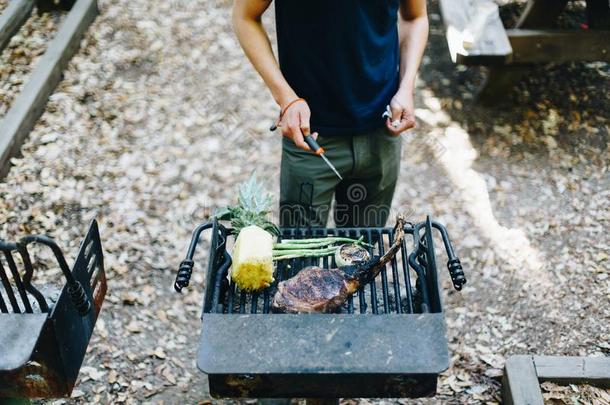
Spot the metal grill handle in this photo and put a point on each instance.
(75, 289)
(184, 275)
(183, 278)
(453, 264)
(79, 298)
(457, 273)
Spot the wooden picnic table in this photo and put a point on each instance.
(477, 36)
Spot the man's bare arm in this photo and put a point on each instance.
(413, 36)
(413, 32)
(247, 22)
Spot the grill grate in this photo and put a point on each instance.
(390, 293)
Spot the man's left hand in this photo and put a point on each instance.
(403, 116)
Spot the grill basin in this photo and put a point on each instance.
(388, 340)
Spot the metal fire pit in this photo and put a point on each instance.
(44, 332)
(387, 341)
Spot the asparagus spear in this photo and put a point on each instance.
(320, 247)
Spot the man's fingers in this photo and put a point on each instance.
(297, 138)
(396, 127)
(294, 133)
(404, 124)
(409, 120)
(388, 125)
(294, 126)
(285, 131)
(395, 131)
(397, 111)
(394, 122)
(304, 119)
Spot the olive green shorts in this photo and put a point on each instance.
(369, 164)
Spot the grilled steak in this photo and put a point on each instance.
(318, 290)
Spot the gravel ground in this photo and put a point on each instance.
(136, 136)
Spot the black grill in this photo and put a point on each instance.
(45, 330)
(248, 351)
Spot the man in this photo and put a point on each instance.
(341, 62)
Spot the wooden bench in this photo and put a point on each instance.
(13, 18)
(476, 36)
(30, 103)
(524, 373)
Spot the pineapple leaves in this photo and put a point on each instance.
(253, 207)
(252, 198)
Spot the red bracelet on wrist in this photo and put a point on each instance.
(277, 124)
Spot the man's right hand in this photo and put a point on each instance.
(295, 123)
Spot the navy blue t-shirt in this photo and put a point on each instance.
(342, 56)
